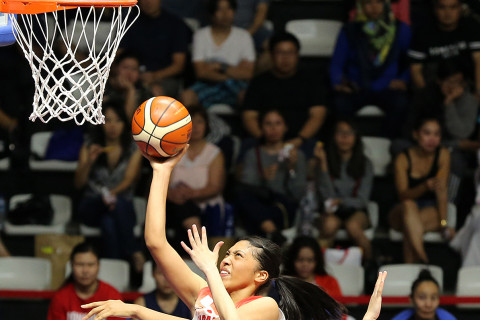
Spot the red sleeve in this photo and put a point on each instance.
(56, 310)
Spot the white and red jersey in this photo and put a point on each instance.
(205, 308)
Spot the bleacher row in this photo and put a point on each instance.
(34, 274)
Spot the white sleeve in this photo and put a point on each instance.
(248, 48)
(198, 46)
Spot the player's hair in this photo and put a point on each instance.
(198, 110)
(423, 276)
(298, 299)
(283, 37)
(98, 134)
(212, 5)
(356, 164)
(292, 254)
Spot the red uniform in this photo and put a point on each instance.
(65, 304)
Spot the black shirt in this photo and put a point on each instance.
(293, 97)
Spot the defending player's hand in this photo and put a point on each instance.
(203, 257)
(375, 304)
(110, 308)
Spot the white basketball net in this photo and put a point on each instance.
(70, 85)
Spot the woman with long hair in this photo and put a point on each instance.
(247, 271)
(304, 260)
(344, 181)
(421, 174)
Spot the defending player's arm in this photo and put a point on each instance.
(185, 282)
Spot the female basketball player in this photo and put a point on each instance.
(236, 292)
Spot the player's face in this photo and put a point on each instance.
(85, 268)
(426, 300)
(239, 268)
(161, 282)
(373, 9)
(428, 136)
(273, 127)
(198, 128)
(305, 263)
(224, 14)
(285, 57)
(344, 137)
(150, 7)
(129, 70)
(113, 125)
(448, 12)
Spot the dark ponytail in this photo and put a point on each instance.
(303, 300)
(299, 300)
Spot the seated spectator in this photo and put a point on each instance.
(369, 65)
(161, 41)
(274, 180)
(467, 239)
(425, 297)
(163, 299)
(124, 86)
(400, 8)
(451, 37)
(344, 181)
(82, 286)
(297, 94)
(251, 15)
(421, 174)
(3, 250)
(223, 57)
(304, 260)
(108, 168)
(197, 180)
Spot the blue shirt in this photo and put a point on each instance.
(408, 314)
(347, 60)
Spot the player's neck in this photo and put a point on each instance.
(239, 295)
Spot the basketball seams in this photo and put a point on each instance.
(159, 119)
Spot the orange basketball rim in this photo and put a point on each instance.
(42, 6)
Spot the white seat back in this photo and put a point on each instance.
(39, 143)
(468, 282)
(349, 277)
(401, 276)
(25, 273)
(377, 150)
(317, 37)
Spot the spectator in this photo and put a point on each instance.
(3, 250)
(296, 93)
(161, 41)
(467, 239)
(369, 65)
(345, 179)
(274, 175)
(124, 86)
(223, 58)
(400, 8)
(421, 174)
(425, 296)
(163, 299)
(82, 286)
(251, 15)
(198, 179)
(108, 167)
(451, 37)
(304, 260)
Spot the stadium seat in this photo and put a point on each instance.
(349, 277)
(431, 236)
(38, 148)
(468, 285)
(317, 37)
(192, 23)
(140, 206)
(25, 273)
(62, 212)
(370, 111)
(112, 271)
(401, 276)
(377, 150)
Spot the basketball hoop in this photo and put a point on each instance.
(69, 79)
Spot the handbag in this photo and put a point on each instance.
(36, 210)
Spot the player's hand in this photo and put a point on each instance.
(204, 258)
(166, 163)
(110, 308)
(375, 304)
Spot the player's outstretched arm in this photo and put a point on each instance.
(375, 304)
(185, 282)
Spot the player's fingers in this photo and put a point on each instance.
(218, 246)
(93, 312)
(191, 239)
(204, 236)
(102, 315)
(196, 235)
(382, 282)
(92, 304)
(185, 247)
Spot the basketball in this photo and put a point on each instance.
(161, 127)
